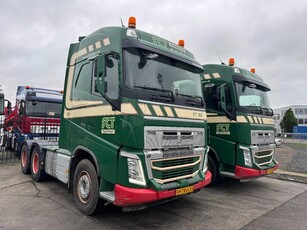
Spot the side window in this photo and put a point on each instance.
(83, 79)
(82, 82)
(212, 97)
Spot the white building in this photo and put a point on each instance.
(300, 112)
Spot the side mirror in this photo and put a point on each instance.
(222, 97)
(101, 74)
(223, 100)
(21, 108)
(1, 104)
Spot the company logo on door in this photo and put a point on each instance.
(107, 125)
(222, 129)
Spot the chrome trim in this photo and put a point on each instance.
(228, 174)
(171, 105)
(176, 178)
(173, 119)
(129, 155)
(177, 166)
(108, 196)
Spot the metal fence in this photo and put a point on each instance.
(293, 137)
(5, 155)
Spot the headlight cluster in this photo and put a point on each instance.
(247, 157)
(135, 171)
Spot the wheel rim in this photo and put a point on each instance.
(24, 158)
(84, 187)
(35, 163)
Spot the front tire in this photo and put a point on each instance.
(24, 160)
(37, 172)
(86, 188)
(213, 167)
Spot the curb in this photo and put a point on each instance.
(289, 176)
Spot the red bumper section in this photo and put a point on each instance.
(248, 173)
(125, 196)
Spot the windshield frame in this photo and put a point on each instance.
(161, 93)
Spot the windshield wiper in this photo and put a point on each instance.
(197, 99)
(169, 93)
(261, 110)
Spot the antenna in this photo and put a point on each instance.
(121, 20)
(222, 63)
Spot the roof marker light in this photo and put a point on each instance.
(181, 43)
(28, 87)
(132, 22)
(231, 61)
(253, 70)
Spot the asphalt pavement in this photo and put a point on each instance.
(265, 203)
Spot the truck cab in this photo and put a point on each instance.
(36, 115)
(133, 123)
(240, 119)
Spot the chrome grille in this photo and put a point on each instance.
(173, 153)
(263, 157)
(170, 137)
(168, 170)
(259, 137)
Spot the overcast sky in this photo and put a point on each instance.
(270, 35)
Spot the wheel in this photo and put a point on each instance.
(24, 162)
(213, 167)
(37, 173)
(86, 188)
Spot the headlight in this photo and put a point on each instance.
(135, 172)
(247, 157)
(135, 169)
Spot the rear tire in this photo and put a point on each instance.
(24, 160)
(86, 188)
(37, 173)
(213, 167)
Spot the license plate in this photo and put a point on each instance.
(270, 171)
(186, 190)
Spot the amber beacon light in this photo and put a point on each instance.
(132, 22)
(231, 61)
(181, 43)
(253, 70)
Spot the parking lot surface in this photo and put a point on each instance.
(266, 203)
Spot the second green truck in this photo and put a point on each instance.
(240, 119)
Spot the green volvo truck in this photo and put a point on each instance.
(133, 124)
(240, 120)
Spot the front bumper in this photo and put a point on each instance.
(125, 196)
(248, 173)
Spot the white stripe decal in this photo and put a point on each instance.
(169, 111)
(157, 110)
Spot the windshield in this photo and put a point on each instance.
(250, 94)
(149, 71)
(45, 109)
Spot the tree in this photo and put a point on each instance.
(288, 121)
